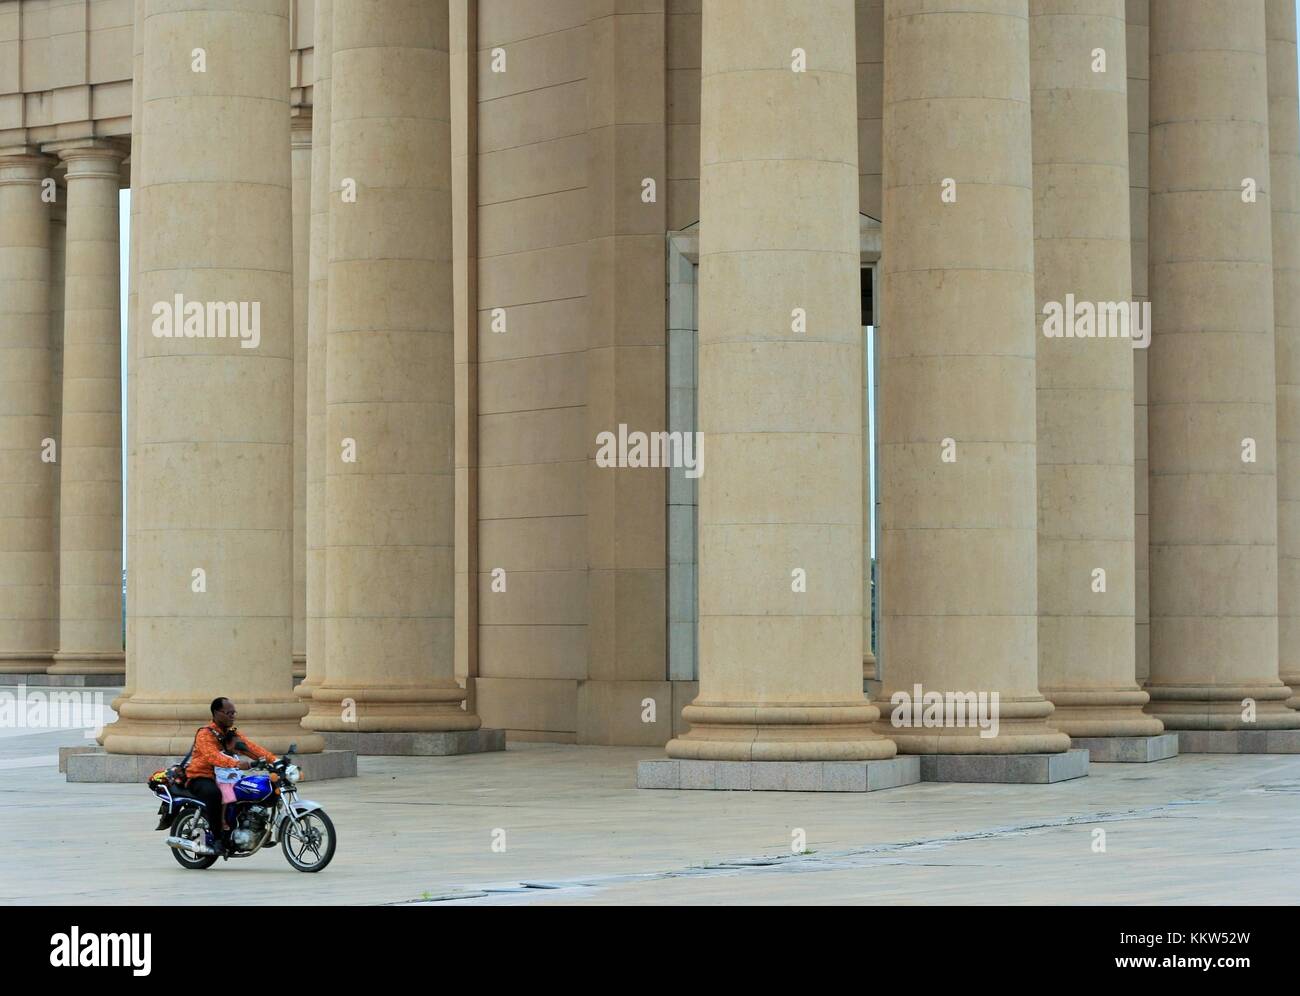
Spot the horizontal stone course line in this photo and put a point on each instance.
(978, 270)
(801, 160)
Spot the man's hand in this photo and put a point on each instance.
(245, 764)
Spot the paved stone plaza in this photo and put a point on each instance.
(1207, 829)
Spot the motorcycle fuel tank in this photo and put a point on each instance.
(251, 788)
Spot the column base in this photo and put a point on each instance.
(1016, 769)
(45, 679)
(1102, 712)
(433, 708)
(88, 663)
(1223, 707)
(422, 744)
(791, 732)
(1292, 681)
(166, 727)
(1112, 750)
(778, 776)
(950, 724)
(97, 765)
(299, 667)
(37, 663)
(1239, 741)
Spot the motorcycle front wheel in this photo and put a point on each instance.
(309, 846)
(192, 826)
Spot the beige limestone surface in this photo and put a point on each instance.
(301, 164)
(957, 431)
(534, 219)
(1212, 431)
(28, 628)
(1086, 640)
(1284, 179)
(389, 621)
(90, 485)
(780, 390)
(317, 332)
(214, 438)
(1137, 45)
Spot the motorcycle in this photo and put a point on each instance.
(266, 810)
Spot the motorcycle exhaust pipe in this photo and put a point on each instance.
(185, 844)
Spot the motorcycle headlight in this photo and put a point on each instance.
(292, 773)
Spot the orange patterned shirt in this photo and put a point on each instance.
(208, 752)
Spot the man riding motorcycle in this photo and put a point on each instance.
(214, 746)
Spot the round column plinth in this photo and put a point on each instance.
(1221, 707)
(792, 732)
(1102, 712)
(432, 708)
(87, 662)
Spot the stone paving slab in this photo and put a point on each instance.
(1239, 741)
(418, 744)
(778, 776)
(1136, 750)
(1021, 769)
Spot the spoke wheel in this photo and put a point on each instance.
(192, 825)
(308, 845)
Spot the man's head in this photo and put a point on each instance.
(223, 712)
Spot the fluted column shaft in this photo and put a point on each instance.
(389, 493)
(90, 492)
(1212, 385)
(957, 440)
(1085, 385)
(317, 330)
(214, 454)
(780, 516)
(1284, 186)
(27, 556)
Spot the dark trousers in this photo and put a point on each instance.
(207, 792)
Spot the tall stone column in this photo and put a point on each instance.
(1086, 648)
(90, 502)
(301, 130)
(58, 247)
(27, 556)
(389, 571)
(957, 437)
(780, 395)
(214, 462)
(132, 344)
(1138, 43)
(1284, 186)
(1212, 385)
(317, 318)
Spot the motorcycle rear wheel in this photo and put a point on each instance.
(305, 841)
(185, 826)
